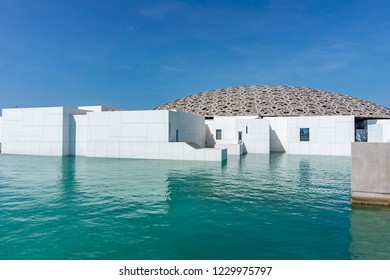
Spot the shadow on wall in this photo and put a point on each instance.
(275, 142)
(72, 136)
(210, 142)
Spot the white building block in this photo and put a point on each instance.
(28, 116)
(378, 130)
(152, 116)
(53, 120)
(36, 131)
(134, 131)
(177, 151)
(131, 117)
(113, 149)
(38, 116)
(138, 149)
(327, 122)
(115, 118)
(325, 135)
(98, 119)
(152, 150)
(91, 149)
(78, 135)
(1, 132)
(157, 132)
(200, 154)
(165, 150)
(189, 152)
(304, 148)
(100, 149)
(51, 134)
(125, 149)
(343, 132)
(114, 131)
(98, 133)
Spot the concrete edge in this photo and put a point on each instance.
(370, 198)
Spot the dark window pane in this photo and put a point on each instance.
(304, 134)
(218, 134)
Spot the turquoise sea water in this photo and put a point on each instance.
(257, 207)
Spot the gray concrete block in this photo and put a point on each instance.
(371, 173)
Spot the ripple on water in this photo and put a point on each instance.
(274, 206)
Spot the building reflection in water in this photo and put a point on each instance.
(370, 227)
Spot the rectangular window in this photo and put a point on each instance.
(361, 131)
(304, 134)
(170, 130)
(246, 130)
(218, 134)
(240, 136)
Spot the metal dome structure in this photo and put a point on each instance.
(265, 100)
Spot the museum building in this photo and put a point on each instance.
(206, 126)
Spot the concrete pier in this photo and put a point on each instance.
(371, 173)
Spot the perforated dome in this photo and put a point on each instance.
(275, 101)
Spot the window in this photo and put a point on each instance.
(246, 130)
(240, 136)
(170, 130)
(218, 134)
(361, 131)
(304, 134)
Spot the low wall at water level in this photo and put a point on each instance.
(371, 173)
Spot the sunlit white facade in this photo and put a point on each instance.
(98, 131)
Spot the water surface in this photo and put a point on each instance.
(274, 206)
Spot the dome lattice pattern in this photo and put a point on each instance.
(275, 101)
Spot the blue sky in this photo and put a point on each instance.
(140, 54)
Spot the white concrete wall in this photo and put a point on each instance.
(145, 134)
(70, 130)
(386, 130)
(191, 127)
(1, 133)
(209, 133)
(109, 134)
(329, 135)
(78, 135)
(378, 130)
(255, 141)
(36, 131)
(183, 151)
(228, 125)
(58, 131)
(233, 149)
(278, 134)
